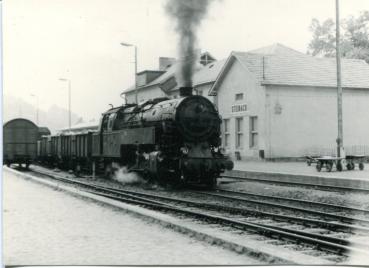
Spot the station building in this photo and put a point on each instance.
(277, 102)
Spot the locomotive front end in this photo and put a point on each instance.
(197, 119)
(198, 123)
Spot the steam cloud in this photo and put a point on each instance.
(188, 15)
(123, 176)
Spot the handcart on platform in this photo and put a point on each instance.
(355, 159)
(310, 159)
(328, 162)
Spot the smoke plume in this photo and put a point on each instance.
(187, 15)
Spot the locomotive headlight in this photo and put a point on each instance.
(184, 150)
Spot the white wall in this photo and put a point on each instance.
(307, 121)
(239, 80)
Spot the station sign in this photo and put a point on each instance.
(239, 108)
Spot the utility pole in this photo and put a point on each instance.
(136, 91)
(69, 103)
(339, 85)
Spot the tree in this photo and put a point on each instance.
(354, 39)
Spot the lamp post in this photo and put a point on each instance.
(339, 86)
(69, 98)
(136, 89)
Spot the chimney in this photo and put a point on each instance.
(165, 63)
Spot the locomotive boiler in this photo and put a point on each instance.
(174, 140)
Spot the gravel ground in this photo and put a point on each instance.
(49, 227)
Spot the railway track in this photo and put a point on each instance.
(299, 184)
(302, 202)
(277, 228)
(286, 220)
(321, 214)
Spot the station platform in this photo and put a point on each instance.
(301, 172)
(43, 225)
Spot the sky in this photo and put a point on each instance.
(79, 40)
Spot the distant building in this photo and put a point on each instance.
(162, 83)
(277, 102)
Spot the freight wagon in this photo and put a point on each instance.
(67, 150)
(19, 141)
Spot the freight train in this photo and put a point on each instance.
(172, 140)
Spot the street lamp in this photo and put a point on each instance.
(136, 89)
(69, 98)
(37, 102)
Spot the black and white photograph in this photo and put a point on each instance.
(185, 132)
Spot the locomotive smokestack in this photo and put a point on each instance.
(188, 15)
(185, 91)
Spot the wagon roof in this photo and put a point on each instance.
(19, 119)
(44, 131)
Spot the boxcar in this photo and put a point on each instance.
(19, 141)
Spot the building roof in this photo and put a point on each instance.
(203, 74)
(280, 65)
(274, 49)
(208, 73)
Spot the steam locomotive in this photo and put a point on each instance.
(175, 140)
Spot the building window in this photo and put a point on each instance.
(226, 133)
(239, 132)
(253, 131)
(239, 96)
